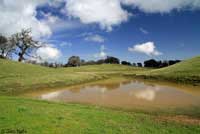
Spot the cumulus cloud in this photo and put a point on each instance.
(56, 3)
(147, 48)
(162, 6)
(102, 54)
(48, 53)
(106, 13)
(22, 15)
(109, 13)
(59, 24)
(49, 18)
(95, 38)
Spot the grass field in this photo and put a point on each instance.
(41, 117)
(16, 78)
(186, 72)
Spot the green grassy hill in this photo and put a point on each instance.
(42, 117)
(189, 67)
(187, 71)
(18, 77)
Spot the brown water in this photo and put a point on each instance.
(128, 94)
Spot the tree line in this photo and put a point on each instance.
(159, 64)
(75, 61)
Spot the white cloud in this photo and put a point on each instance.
(106, 13)
(95, 38)
(102, 53)
(147, 48)
(22, 15)
(49, 18)
(109, 13)
(48, 53)
(58, 24)
(55, 3)
(144, 31)
(162, 6)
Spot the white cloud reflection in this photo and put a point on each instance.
(148, 94)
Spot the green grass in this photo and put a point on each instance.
(41, 117)
(189, 67)
(186, 72)
(16, 78)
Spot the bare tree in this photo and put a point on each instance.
(25, 44)
(6, 47)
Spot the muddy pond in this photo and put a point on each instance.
(126, 93)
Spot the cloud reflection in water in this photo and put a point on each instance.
(148, 93)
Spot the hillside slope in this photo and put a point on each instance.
(17, 77)
(187, 67)
(187, 71)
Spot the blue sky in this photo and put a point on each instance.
(130, 30)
